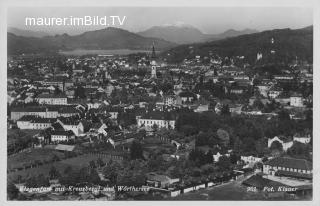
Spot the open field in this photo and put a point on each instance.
(28, 157)
(75, 163)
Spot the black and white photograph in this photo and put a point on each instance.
(158, 102)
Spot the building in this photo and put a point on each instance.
(161, 120)
(296, 100)
(153, 64)
(169, 100)
(186, 97)
(305, 139)
(59, 136)
(289, 167)
(285, 142)
(68, 112)
(236, 90)
(160, 181)
(72, 124)
(263, 89)
(52, 99)
(43, 112)
(251, 160)
(34, 123)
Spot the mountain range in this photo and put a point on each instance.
(27, 33)
(184, 34)
(288, 43)
(109, 38)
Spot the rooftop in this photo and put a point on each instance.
(290, 163)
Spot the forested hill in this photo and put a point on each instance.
(287, 45)
(109, 38)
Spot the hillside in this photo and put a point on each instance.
(109, 38)
(287, 45)
(26, 33)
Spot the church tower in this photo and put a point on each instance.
(153, 64)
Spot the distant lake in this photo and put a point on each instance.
(79, 52)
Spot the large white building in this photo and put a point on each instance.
(52, 99)
(161, 120)
(34, 123)
(290, 167)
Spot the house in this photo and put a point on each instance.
(250, 160)
(160, 181)
(59, 136)
(98, 128)
(217, 156)
(94, 104)
(285, 142)
(237, 90)
(52, 99)
(289, 167)
(169, 100)
(305, 139)
(71, 123)
(121, 139)
(296, 100)
(202, 108)
(275, 92)
(263, 89)
(187, 97)
(284, 101)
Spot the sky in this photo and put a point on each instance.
(210, 20)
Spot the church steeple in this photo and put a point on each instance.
(153, 63)
(153, 55)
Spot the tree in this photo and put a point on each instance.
(42, 181)
(283, 115)
(300, 150)
(257, 104)
(53, 173)
(136, 151)
(67, 170)
(93, 176)
(79, 92)
(225, 110)
(276, 146)
(111, 171)
(55, 158)
(234, 158)
(224, 163)
(223, 136)
(92, 164)
(57, 91)
(260, 146)
(12, 191)
(31, 182)
(100, 162)
(209, 157)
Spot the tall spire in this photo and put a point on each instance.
(153, 55)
